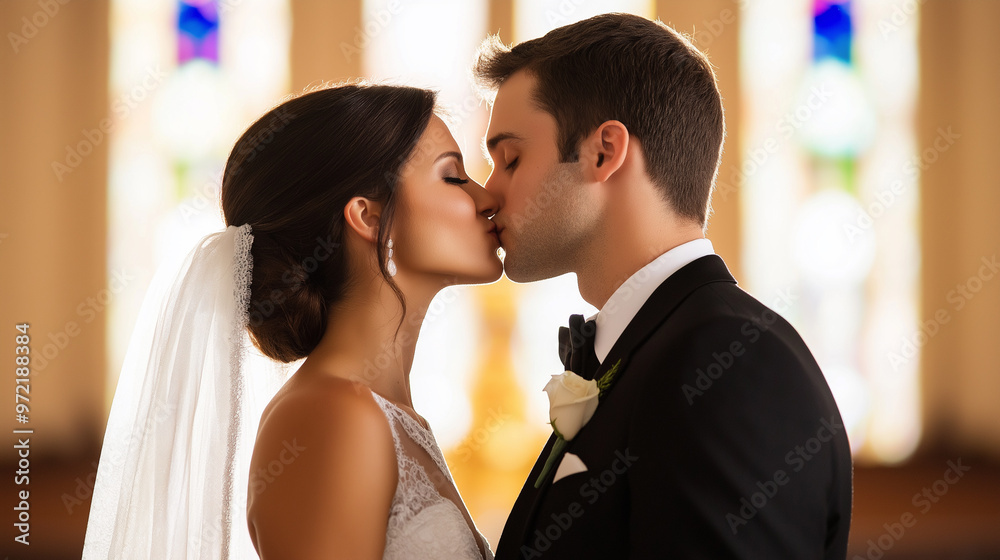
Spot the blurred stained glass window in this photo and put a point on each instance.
(187, 77)
(829, 193)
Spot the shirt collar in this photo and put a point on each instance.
(623, 305)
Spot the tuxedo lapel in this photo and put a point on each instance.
(661, 303)
(654, 312)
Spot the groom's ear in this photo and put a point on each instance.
(603, 151)
(362, 216)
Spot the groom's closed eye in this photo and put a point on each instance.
(490, 146)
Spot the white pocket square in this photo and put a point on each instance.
(570, 464)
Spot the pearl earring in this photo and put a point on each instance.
(390, 266)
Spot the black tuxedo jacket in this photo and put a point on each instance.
(719, 439)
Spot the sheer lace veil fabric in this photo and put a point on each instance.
(174, 468)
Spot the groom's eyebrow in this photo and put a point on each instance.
(500, 137)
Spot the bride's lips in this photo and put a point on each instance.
(494, 232)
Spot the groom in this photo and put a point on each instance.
(715, 435)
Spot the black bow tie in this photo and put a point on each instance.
(576, 346)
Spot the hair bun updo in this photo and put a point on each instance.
(290, 175)
(288, 306)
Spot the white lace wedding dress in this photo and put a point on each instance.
(428, 519)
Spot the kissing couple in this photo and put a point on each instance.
(691, 422)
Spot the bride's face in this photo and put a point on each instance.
(441, 228)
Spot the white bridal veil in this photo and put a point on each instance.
(172, 478)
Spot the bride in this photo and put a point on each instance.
(348, 209)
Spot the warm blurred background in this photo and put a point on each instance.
(858, 196)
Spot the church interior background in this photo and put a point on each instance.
(857, 197)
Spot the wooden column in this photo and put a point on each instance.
(328, 41)
(53, 201)
(501, 19)
(958, 120)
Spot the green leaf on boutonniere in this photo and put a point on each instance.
(606, 380)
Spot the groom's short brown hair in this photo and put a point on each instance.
(627, 68)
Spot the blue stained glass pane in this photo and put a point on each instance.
(197, 21)
(832, 30)
(197, 30)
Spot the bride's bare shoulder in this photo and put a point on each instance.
(334, 414)
(324, 449)
(309, 393)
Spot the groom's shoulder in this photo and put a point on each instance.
(726, 306)
(720, 317)
(706, 289)
(717, 307)
(723, 349)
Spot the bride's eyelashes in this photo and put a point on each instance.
(455, 181)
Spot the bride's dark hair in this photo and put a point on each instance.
(290, 175)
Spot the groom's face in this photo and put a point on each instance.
(544, 216)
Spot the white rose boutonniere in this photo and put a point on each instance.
(572, 403)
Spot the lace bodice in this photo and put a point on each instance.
(428, 519)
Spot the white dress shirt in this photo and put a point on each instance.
(622, 306)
